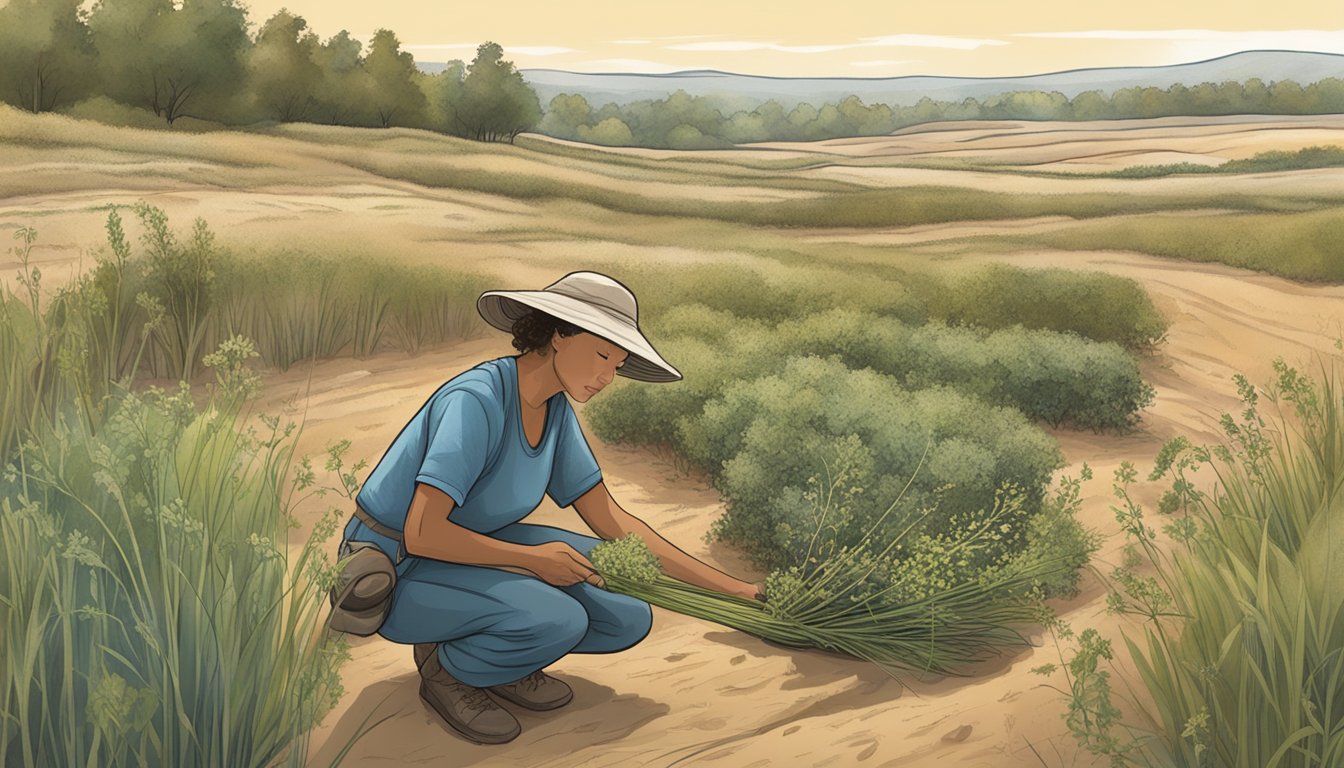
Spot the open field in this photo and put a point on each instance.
(694, 693)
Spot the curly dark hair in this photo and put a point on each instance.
(533, 331)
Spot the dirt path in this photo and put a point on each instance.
(696, 693)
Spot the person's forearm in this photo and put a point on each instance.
(456, 544)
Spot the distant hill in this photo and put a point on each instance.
(747, 91)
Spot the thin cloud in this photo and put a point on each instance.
(1208, 43)
(721, 46)
(650, 40)
(1189, 34)
(525, 50)
(540, 50)
(442, 46)
(930, 41)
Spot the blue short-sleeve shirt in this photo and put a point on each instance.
(467, 440)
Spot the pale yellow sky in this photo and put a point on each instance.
(875, 38)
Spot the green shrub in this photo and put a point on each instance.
(771, 297)
(1094, 305)
(1063, 379)
(1059, 378)
(105, 110)
(763, 438)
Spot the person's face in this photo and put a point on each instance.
(585, 363)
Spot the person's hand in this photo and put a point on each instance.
(748, 590)
(559, 564)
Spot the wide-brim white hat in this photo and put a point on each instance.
(594, 302)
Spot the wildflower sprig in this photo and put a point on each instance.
(627, 558)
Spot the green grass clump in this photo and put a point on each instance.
(151, 612)
(1241, 661)
(300, 306)
(156, 311)
(1300, 246)
(1261, 162)
(1158, 171)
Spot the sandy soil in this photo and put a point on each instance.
(691, 692)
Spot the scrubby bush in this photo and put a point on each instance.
(1055, 377)
(770, 297)
(763, 438)
(1098, 306)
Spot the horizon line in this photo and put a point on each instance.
(1074, 70)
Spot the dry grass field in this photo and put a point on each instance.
(695, 693)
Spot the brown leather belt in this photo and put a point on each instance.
(375, 526)
(363, 516)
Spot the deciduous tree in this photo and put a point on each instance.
(179, 61)
(285, 73)
(396, 98)
(496, 104)
(345, 91)
(46, 54)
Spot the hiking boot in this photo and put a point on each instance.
(537, 691)
(467, 709)
(422, 651)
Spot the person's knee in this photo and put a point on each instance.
(632, 618)
(637, 618)
(558, 619)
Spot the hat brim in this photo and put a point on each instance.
(501, 308)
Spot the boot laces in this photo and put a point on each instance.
(474, 698)
(534, 680)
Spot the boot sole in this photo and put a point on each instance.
(461, 727)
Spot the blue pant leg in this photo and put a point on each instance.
(615, 621)
(492, 626)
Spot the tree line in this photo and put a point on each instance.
(196, 58)
(682, 121)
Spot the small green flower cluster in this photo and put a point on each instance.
(628, 558)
